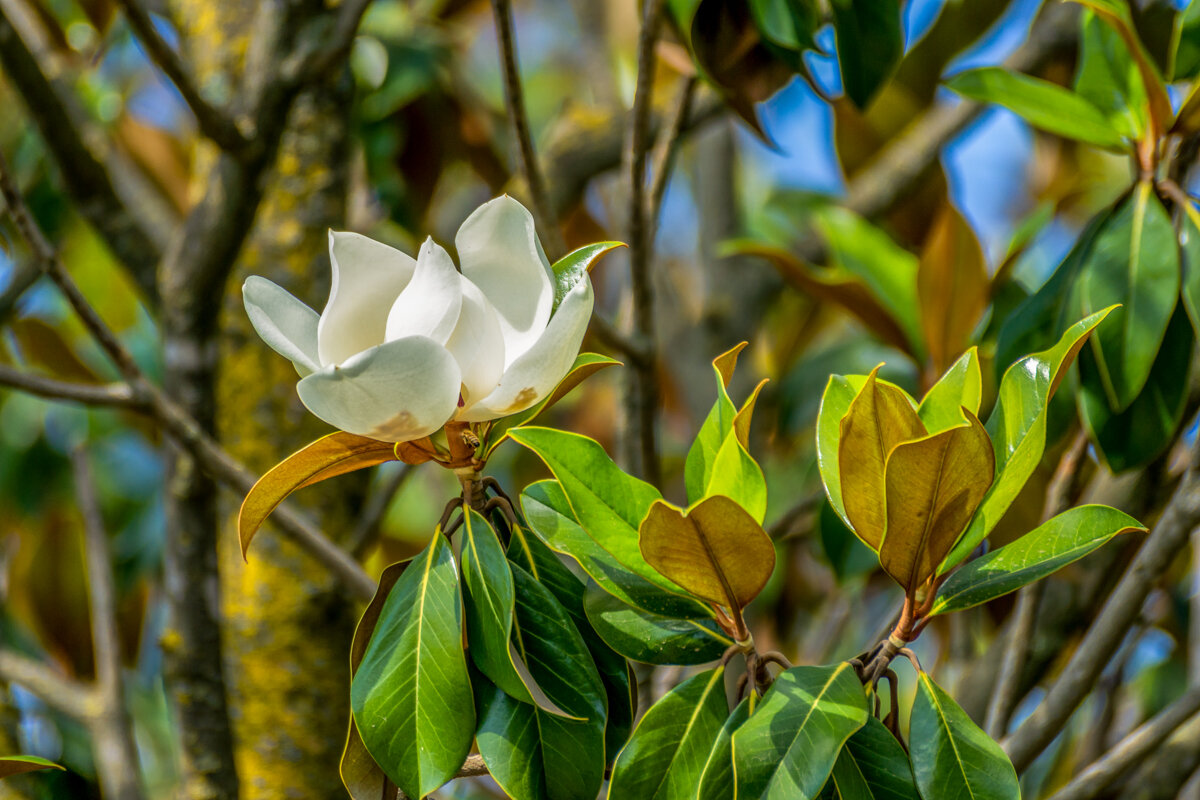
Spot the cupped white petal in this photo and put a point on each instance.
(477, 344)
(500, 252)
(283, 322)
(368, 276)
(537, 371)
(430, 304)
(394, 392)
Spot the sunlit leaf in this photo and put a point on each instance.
(716, 779)
(1189, 257)
(872, 766)
(1060, 541)
(571, 268)
(328, 457)
(17, 765)
(952, 285)
(961, 386)
(665, 757)
(715, 550)
(880, 417)
(951, 756)
(1042, 104)
(1017, 427)
(652, 638)
(934, 484)
(1108, 78)
(789, 745)
(411, 696)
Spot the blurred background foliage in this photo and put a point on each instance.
(766, 181)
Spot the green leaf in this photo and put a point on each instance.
(585, 365)
(1043, 104)
(1054, 544)
(411, 695)
(839, 393)
(607, 503)
(667, 752)
(1189, 257)
(870, 41)
(716, 550)
(489, 600)
(1134, 262)
(1109, 79)
(1141, 433)
(786, 24)
(16, 765)
(527, 750)
(951, 756)
(1017, 428)
(716, 779)
(548, 641)
(550, 516)
(961, 386)
(887, 269)
(872, 766)
(651, 638)
(789, 745)
(571, 268)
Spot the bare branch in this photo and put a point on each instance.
(472, 768)
(1131, 750)
(664, 151)
(214, 122)
(120, 395)
(60, 693)
(514, 97)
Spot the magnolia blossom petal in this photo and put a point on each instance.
(283, 322)
(430, 304)
(368, 276)
(537, 371)
(395, 392)
(477, 344)
(499, 251)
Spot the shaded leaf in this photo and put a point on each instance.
(1043, 104)
(411, 696)
(1017, 427)
(872, 766)
(716, 779)
(652, 638)
(951, 756)
(667, 752)
(961, 386)
(328, 457)
(1189, 257)
(1108, 78)
(1054, 544)
(715, 550)
(880, 417)
(789, 745)
(952, 286)
(934, 485)
(870, 42)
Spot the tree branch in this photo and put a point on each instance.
(120, 395)
(514, 97)
(214, 122)
(60, 693)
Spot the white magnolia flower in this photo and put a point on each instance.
(404, 346)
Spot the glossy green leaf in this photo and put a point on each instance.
(651, 638)
(17, 765)
(839, 393)
(789, 745)
(1189, 257)
(1054, 544)
(1017, 428)
(1142, 432)
(1109, 79)
(551, 518)
(887, 269)
(872, 766)
(571, 268)
(880, 418)
(606, 502)
(585, 365)
(715, 550)
(1134, 262)
(961, 386)
(870, 41)
(786, 24)
(716, 779)
(934, 484)
(951, 757)
(1041, 103)
(488, 599)
(533, 755)
(411, 695)
(670, 745)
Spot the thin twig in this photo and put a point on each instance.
(121, 395)
(664, 151)
(60, 693)
(514, 97)
(214, 122)
(641, 402)
(1131, 750)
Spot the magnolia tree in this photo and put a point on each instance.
(688, 604)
